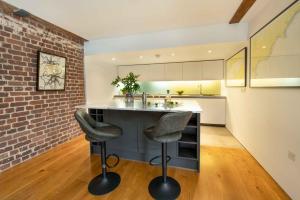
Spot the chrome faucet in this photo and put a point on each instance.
(144, 98)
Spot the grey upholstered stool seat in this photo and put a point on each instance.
(104, 132)
(168, 129)
(163, 138)
(99, 133)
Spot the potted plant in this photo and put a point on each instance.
(130, 83)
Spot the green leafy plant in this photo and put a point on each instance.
(130, 83)
(180, 92)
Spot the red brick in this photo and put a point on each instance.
(28, 117)
(15, 104)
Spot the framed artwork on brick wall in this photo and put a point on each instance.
(51, 72)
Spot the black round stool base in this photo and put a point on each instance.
(100, 185)
(161, 190)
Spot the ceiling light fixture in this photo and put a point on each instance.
(141, 57)
(263, 47)
(113, 59)
(209, 51)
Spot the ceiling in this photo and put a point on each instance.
(183, 53)
(94, 19)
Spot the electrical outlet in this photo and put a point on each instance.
(291, 156)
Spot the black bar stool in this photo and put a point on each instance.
(99, 133)
(167, 130)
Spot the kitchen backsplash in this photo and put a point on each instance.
(189, 87)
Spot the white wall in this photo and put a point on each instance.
(210, 34)
(267, 120)
(98, 78)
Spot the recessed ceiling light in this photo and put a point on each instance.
(141, 57)
(263, 47)
(113, 59)
(172, 54)
(209, 51)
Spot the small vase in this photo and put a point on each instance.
(129, 98)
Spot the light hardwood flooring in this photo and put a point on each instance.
(64, 172)
(218, 137)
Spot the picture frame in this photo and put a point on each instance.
(277, 70)
(51, 72)
(236, 69)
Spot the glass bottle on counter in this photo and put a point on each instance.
(168, 97)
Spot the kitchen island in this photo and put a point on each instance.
(133, 118)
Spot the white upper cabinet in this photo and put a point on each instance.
(153, 72)
(212, 70)
(200, 70)
(192, 71)
(173, 71)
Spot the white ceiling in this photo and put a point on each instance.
(177, 54)
(93, 19)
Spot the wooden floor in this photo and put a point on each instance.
(64, 172)
(218, 137)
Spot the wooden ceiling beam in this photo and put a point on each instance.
(241, 11)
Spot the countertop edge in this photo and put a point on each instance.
(177, 96)
(134, 109)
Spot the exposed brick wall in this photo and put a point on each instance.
(32, 122)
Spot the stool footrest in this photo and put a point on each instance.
(151, 162)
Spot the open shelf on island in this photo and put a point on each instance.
(188, 138)
(193, 122)
(189, 135)
(96, 114)
(187, 151)
(92, 111)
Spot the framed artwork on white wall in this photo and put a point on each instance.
(275, 51)
(236, 69)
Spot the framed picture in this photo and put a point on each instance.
(275, 51)
(236, 69)
(51, 72)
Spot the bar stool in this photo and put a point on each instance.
(168, 129)
(99, 133)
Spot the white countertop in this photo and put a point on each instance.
(176, 96)
(183, 105)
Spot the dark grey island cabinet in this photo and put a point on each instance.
(133, 144)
